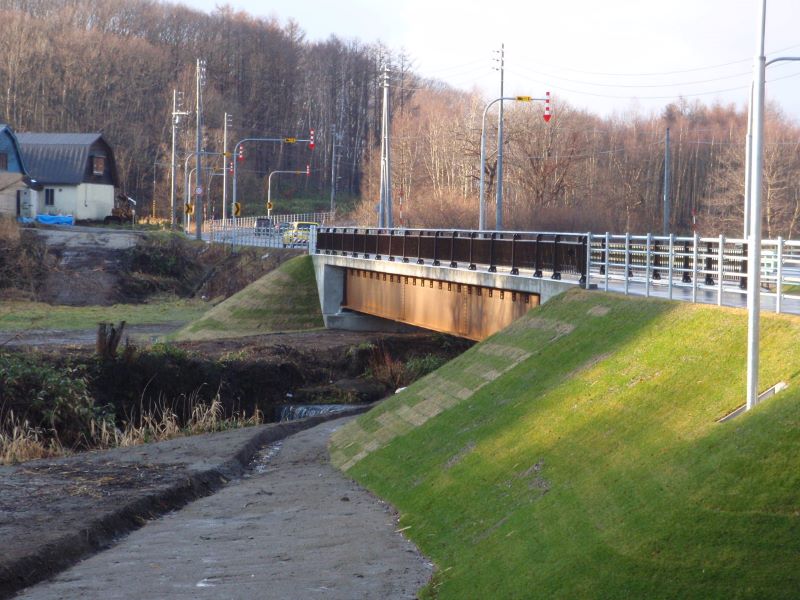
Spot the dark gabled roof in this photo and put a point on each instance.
(15, 141)
(54, 158)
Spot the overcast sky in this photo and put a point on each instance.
(604, 55)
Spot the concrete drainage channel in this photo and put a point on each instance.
(63, 529)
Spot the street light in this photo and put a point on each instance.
(482, 209)
(269, 186)
(753, 182)
(133, 218)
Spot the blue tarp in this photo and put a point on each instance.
(56, 219)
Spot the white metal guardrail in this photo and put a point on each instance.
(256, 230)
(689, 266)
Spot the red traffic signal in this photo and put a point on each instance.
(311, 140)
(230, 167)
(240, 154)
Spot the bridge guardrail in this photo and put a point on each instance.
(555, 253)
(241, 231)
(696, 263)
(636, 263)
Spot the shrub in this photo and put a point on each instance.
(419, 366)
(52, 400)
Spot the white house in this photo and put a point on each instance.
(77, 172)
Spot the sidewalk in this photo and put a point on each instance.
(291, 527)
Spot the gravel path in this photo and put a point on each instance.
(291, 527)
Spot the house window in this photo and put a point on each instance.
(98, 165)
(49, 197)
(3, 161)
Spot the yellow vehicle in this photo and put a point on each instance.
(297, 233)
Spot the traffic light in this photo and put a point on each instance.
(240, 154)
(311, 140)
(308, 169)
(230, 167)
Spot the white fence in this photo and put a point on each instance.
(690, 266)
(242, 231)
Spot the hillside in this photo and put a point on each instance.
(283, 300)
(576, 454)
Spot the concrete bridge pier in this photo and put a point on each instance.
(331, 289)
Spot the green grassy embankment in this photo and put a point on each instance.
(19, 315)
(282, 300)
(576, 454)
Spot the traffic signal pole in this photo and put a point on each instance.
(238, 156)
(236, 149)
(269, 185)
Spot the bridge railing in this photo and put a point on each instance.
(243, 231)
(538, 252)
(700, 269)
(697, 265)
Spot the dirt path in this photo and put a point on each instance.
(292, 527)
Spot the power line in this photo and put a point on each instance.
(660, 73)
(628, 97)
(639, 97)
(640, 85)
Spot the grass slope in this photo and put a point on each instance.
(576, 455)
(282, 300)
(19, 316)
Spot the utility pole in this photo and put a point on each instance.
(499, 203)
(333, 168)
(198, 209)
(665, 228)
(225, 166)
(385, 207)
(177, 113)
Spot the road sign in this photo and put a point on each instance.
(227, 154)
(237, 209)
(524, 98)
(188, 209)
(199, 190)
(269, 205)
(289, 140)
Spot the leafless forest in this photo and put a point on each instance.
(111, 66)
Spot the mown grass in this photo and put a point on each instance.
(594, 466)
(285, 299)
(17, 316)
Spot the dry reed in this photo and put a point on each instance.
(20, 442)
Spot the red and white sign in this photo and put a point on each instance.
(547, 113)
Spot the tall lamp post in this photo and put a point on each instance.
(753, 183)
(482, 208)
